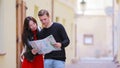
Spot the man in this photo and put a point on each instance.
(54, 59)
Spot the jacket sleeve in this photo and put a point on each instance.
(28, 54)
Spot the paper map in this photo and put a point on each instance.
(45, 45)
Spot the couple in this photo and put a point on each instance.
(54, 59)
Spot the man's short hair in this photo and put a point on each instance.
(43, 12)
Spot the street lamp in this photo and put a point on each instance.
(83, 6)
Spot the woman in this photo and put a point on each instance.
(31, 32)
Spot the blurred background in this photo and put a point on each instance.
(92, 26)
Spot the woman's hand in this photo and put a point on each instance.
(34, 51)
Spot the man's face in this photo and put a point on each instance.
(44, 20)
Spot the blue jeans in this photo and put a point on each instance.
(51, 63)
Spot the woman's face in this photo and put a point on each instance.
(32, 25)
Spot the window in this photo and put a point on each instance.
(88, 39)
(57, 19)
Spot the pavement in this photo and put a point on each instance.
(93, 63)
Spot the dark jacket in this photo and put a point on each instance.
(28, 54)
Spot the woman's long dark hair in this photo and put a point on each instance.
(26, 29)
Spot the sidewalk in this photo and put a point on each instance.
(93, 64)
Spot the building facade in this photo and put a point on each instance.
(12, 14)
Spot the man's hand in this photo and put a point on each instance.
(57, 45)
